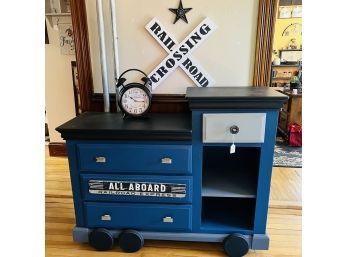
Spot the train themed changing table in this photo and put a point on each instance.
(200, 176)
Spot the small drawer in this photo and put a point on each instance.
(167, 159)
(118, 188)
(247, 127)
(139, 216)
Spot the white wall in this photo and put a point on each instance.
(228, 54)
(59, 94)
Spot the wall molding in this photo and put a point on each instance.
(160, 103)
(57, 149)
(264, 42)
(83, 60)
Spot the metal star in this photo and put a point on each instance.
(180, 13)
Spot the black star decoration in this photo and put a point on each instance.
(180, 12)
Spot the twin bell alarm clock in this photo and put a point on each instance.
(134, 98)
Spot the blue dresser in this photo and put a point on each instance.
(199, 176)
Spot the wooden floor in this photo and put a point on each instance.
(283, 227)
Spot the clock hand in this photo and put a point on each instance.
(136, 100)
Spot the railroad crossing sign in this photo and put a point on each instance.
(180, 54)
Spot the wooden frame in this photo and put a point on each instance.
(77, 100)
(47, 40)
(91, 101)
(264, 42)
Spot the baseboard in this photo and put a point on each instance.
(57, 149)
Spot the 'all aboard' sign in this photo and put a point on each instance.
(180, 54)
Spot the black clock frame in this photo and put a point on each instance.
(146, 87)
(127, 87)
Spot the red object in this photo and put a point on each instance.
(295, 135)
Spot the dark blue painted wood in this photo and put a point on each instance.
(259, 213)
(265, 173)
(149, 199)
(75, 184)
(197, 153)
(227, 215)
(135, 158)
(141, 162)
(139, 216)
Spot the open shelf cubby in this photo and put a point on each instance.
(228, 214)
(230, 175)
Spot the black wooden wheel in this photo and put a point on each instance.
(236, 245)
(101, 239)
(131, 241)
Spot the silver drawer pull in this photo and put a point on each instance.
(100, 159)
(166, 160)
(168, 220)
(105, 217)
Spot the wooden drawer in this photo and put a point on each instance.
(136, 158)
(168, 189)
(216, 127)
(139, 216)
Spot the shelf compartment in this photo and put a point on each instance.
(230, 175)
(234, 184)
(227, 215)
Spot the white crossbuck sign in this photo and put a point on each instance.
(180, 54)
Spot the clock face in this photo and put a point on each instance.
(135, 101)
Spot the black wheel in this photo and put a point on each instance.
(101, 239)
(130, 241)
(236, 245)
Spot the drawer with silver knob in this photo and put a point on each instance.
(135, 158)
(234, 127)
(154, 217)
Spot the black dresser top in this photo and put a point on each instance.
(109, 126)
(234, 98)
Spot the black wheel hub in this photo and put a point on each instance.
(131, 241)
(236, 245)
(101, 239)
